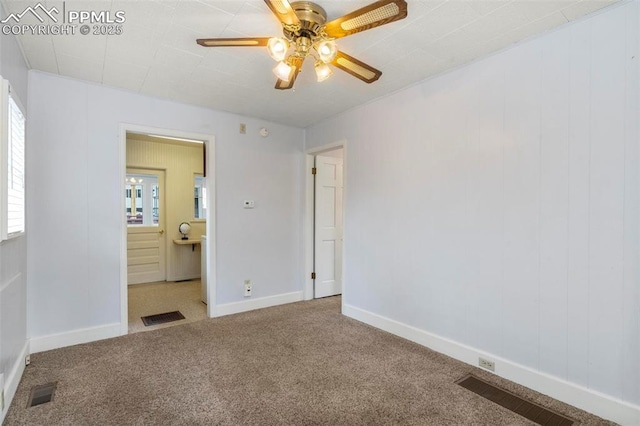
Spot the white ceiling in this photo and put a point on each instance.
(157, 54)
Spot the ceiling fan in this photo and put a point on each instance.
(308, 34)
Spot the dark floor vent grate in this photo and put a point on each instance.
(162, 318)
(514, 403)
(41, 394)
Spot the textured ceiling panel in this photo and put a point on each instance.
(156, 54)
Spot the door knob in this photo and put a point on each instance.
(161, 231)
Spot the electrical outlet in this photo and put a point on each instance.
(485, 363)
(27, 360)
(247, 288)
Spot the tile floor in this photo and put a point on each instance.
(161, 297)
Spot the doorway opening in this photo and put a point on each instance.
(168, 212)
(325, 221)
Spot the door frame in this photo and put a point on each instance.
(309, 225)
(209, 161)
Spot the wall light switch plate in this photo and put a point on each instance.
(243, 129)
(249, 204)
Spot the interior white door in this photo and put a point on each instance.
(146, 240)
(328, 226)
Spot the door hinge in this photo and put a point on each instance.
(314, 171)
(313, 275)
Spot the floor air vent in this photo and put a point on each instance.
(514, 403)
(41, 394)
(162, 318)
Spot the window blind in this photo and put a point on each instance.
(15, 169)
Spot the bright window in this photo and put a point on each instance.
(142, 199)
(199, 198)
(13, 165)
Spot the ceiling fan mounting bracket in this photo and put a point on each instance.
(312, 19)
(310, 12)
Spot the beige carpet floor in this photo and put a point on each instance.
(161, 297)
(297, 364)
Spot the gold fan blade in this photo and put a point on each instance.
(296, 65)
(356, 68)
(376, 14)
(233, 42)
(283, 10)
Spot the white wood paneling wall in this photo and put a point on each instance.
(497, 205)
(13, 253)
(13, 303)
(74, 277)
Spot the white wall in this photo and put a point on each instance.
(75, 190)
(13, 265)
(497, 206)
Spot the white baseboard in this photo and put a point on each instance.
(589, 400)
(74, 337)
(262, 302)
(13, 380)
(185, 278)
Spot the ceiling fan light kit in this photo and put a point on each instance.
(278, 48)
(323, 71)
(327, 51)
(283, 71)
(307, 33)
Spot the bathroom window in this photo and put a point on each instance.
(199, 198)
